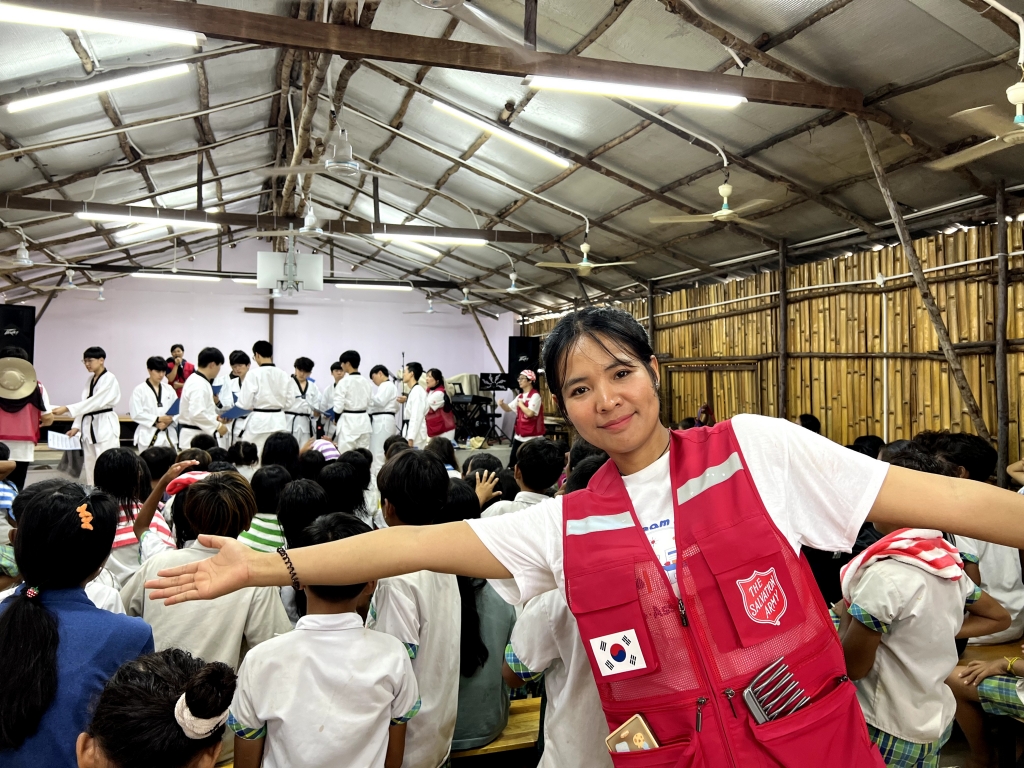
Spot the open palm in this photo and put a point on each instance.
(222, 574)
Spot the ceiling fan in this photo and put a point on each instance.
(428, 311)
(21, 258)
(337, 159)
(465, 301)
(990, 121)
(724, 215)
(583, 267)
(310, 224)
(71, 285)
(512, 290)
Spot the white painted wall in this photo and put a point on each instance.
(139, 318)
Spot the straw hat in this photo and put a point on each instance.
(17, 378)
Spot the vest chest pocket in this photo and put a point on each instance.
(749, 573)
(606, 605)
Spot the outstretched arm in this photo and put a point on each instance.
(910, 499)
(449, 548)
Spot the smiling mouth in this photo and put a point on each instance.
(617, 423)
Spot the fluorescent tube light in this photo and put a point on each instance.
(632, 91)
(374, 286)
(171, 276)
(18, 14)
(431, 239)
(244, 280)
(160, 222)
(412, 245)
(97, 87)
(508, 136)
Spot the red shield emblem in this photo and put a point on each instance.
(763, 598)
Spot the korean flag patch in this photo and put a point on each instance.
(618, 652)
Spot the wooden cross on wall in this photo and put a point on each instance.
(270, 312)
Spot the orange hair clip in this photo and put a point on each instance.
(86, 516)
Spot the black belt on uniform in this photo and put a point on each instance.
(296, 415)
(92, 432)
(266, 410)
(188, 426)
(383, 413)
(362, 411)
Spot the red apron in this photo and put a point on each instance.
(529, 426)
(747, 599)
(439, 421)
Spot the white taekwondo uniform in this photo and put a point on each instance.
(302, 410)
(352, 404)
(267, 392)
(149, 402)
(94, 416)
(383, 415)
(198, 411)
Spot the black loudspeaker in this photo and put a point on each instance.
(523, 354)
(18, 324)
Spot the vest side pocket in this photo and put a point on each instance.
(611, 623)
(829, 731)
(684, 754)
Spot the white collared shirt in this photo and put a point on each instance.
(325, 694)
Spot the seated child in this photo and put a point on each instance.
(203, 442)
(309, 465)
(331, 693)
(220, 504)
(245, 457)
(422, 609)
(444, 450)
(158, 460)
(394, 440)
(546, 642)
(902, 611)
(301, 502)
(487, 623)
(56, 647)
(122, 474)
(166, 710)
(342, 482)
(264, 534)
(283, 449)
(994, 687)
(539, 464)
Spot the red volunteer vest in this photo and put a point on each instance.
(530, 426)
(746, 600)
(439, 421)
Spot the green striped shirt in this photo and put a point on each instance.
(264, 534)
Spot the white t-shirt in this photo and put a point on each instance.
(533, 402)
(546, 639)
(522, 500)
(817, 493)
(1001, 578)
(325, 694)
(424, 611)
(905, 693)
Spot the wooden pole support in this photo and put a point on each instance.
(782, 408)
(1002, 382)
(530, 25)
(926, 296)
(487, 340)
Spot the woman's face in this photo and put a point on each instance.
(614, 406)
(431, 382)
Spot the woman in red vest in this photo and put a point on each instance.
(440, 417)
(680, 561)
(529, 410)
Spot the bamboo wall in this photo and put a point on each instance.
(836, 340)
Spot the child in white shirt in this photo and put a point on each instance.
(902, 610)
(331, 693)
(422, 609)
(539, 464)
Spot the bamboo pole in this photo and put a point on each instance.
(487, 340)
(783, 406)
(1002, 384)
(915, 267)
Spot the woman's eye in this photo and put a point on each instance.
(622, 374)
(578, 391)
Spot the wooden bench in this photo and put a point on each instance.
(991, 652)
(520, 733)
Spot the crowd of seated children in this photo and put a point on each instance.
(539, 464)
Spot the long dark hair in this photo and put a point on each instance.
(124, 476)
(444, 450)
(473, 654)
(281, 448)
(134, 720)
(616, 331)
(53, 550)
(438, 377)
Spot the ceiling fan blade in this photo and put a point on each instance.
(497, 33)
(555, 265)
(293, 171)
(989, 120)
(121, 269)
(969, 155)
(612, 264)
(683, 219)
(279, 233)
(752, 224)
(751, 205)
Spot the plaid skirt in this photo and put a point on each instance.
(999, 696)
(908, 754)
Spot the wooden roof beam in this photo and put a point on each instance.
(356, 42)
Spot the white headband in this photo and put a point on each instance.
(197, 727)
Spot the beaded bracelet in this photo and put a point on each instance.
(291, 568)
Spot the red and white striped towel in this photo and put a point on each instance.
(923, 548)
(125, 535)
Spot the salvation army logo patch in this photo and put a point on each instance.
(763, 598)
(618, 652)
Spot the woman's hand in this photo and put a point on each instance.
(227, 571)
(485, 483)
(977, 671)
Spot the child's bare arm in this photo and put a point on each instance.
(396, 747)
(249, 752)
(986, 617)
(512, 680)
(973, 570)
(1016, 471)
(859, 647)
(149, 506)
